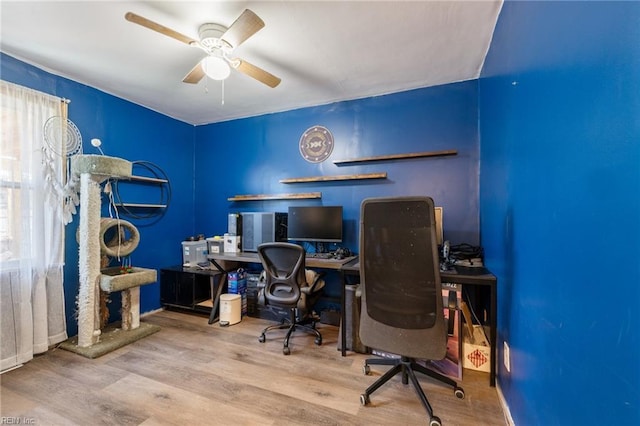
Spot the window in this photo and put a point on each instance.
(31, 233)
(26, 199)
(11, 185)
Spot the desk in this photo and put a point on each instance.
(451, 276)
(351, 266)
(250, 257)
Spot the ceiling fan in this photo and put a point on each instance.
(218, 42)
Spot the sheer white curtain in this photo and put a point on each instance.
(32, 316)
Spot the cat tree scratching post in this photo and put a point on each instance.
(93, 169)
(91, 341)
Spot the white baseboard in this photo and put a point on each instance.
(505, 407)
(11, 368)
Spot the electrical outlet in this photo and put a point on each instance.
(506, 357)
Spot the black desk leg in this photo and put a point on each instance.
(343, 316)
(214, 316)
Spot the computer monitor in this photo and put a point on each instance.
(321, 224)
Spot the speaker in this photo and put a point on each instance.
(235, 224)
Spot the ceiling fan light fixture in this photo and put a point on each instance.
(216, 68)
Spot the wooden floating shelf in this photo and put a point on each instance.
(334, 178)
(397, 157)
(258, 197)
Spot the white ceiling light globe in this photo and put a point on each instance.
(216, 68)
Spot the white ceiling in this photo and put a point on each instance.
(324, 51)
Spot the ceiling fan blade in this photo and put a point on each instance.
(255, 72)
(137, 19)
(247, 24)
(195, 75)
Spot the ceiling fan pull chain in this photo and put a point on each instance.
(222, 103)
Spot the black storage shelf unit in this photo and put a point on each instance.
(188, 288)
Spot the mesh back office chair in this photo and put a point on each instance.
(286, 287)
(402, 308)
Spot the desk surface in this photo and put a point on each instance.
(460, 276)
(312, 262)
(191, 270)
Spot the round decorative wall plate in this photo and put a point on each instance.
(316, 144)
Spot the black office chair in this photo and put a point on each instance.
(286, 287)
(402, 309)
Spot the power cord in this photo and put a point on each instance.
(465, 251)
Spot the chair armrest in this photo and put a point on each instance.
(312, 286)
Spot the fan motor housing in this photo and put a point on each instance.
(210, 36)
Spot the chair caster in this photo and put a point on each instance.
(318, 341)
(435, 421)
(366, 369)
(459, 393)
(262, 338)
(286, 350)
(364, 399)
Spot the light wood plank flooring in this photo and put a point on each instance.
(194, 373)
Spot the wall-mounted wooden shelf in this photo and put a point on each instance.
(261, 197)
(396, 157)
(334, 178)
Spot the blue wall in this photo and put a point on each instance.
(134, 133)
(250, 156)
(559, 201)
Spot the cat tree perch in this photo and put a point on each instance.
(93, 170)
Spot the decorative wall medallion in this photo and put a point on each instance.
(316, 144)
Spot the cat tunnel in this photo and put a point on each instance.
(118, 237)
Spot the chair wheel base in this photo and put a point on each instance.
(318, 341)
(286, 350)
(435, 421)
(262, 338)
(459, 392)
(364, 399)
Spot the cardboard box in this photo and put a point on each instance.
(238, 285)
(476, 352)
(232, 243)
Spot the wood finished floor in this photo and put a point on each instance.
(194, 373)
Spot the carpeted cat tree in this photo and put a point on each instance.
(91, 340)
